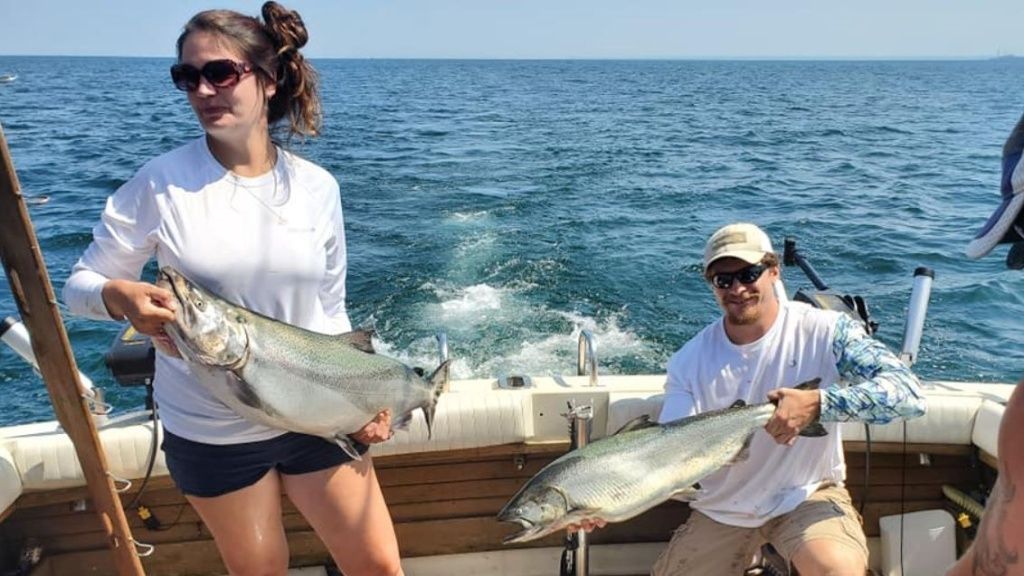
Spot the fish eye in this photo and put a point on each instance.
(200, 304)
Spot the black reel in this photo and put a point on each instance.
(131, 358)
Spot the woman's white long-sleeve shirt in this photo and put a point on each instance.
(273, 243)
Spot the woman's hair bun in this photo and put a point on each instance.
(285, 27)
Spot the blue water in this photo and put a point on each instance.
(512, 203)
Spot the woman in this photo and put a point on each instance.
(263, 228)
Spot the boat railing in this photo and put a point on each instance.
(586, 356)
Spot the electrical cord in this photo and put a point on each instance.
(867, 470)
(903, 488)
(152, 450)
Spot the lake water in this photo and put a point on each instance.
(513, 203)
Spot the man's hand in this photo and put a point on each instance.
(794, 410)
(378, 430)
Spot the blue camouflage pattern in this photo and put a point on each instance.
(874, 386)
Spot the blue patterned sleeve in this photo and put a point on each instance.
(875, 386)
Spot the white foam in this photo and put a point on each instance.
(471, 301)
(475, 248)
(555, 354)
(473, 216)
(470, 315)
(423, 353)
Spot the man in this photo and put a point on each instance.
(999, 543)
(788, 491)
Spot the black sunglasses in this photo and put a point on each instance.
(219, 73)
(748, 275)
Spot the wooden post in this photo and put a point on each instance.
(30, 285)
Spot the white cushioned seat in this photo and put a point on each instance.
(46, 459)
(10, 480)
(949, 420)
(986, 426)
(464, 420)
(950, 417)
(476, 414)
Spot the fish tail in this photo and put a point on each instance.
(438, 384)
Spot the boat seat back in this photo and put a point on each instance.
(957, 414)
(10, 480)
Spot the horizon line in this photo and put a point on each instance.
(822, 58)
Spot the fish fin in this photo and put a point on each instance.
(638, 423)
(348, 446)
(245, 393)
(688, 494)
(584, 513)
(438, 384)
(402, 424)
(812, 384)
(738, 404)
(814, 430)
(359, 339)
(744, 452)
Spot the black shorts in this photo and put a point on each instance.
(208, 470)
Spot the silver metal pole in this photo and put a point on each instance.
(586, 356)
(581, 418)
(916, 312)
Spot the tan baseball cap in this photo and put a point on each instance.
(744, 241)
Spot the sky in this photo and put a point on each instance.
(527, 29)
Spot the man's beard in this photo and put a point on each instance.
(750, 314)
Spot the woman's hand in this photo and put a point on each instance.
(378, 430)
(587, 525)
(146, 307)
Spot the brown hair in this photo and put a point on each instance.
(272, 48)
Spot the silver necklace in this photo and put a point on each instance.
(277, 215)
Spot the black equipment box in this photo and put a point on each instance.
(131, 358)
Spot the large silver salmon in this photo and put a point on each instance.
(641, 466)
(286, 377)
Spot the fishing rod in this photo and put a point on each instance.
(823, 296)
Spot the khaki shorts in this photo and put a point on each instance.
(708, 548)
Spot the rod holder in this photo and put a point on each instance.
(14, 334)
(920, 294)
